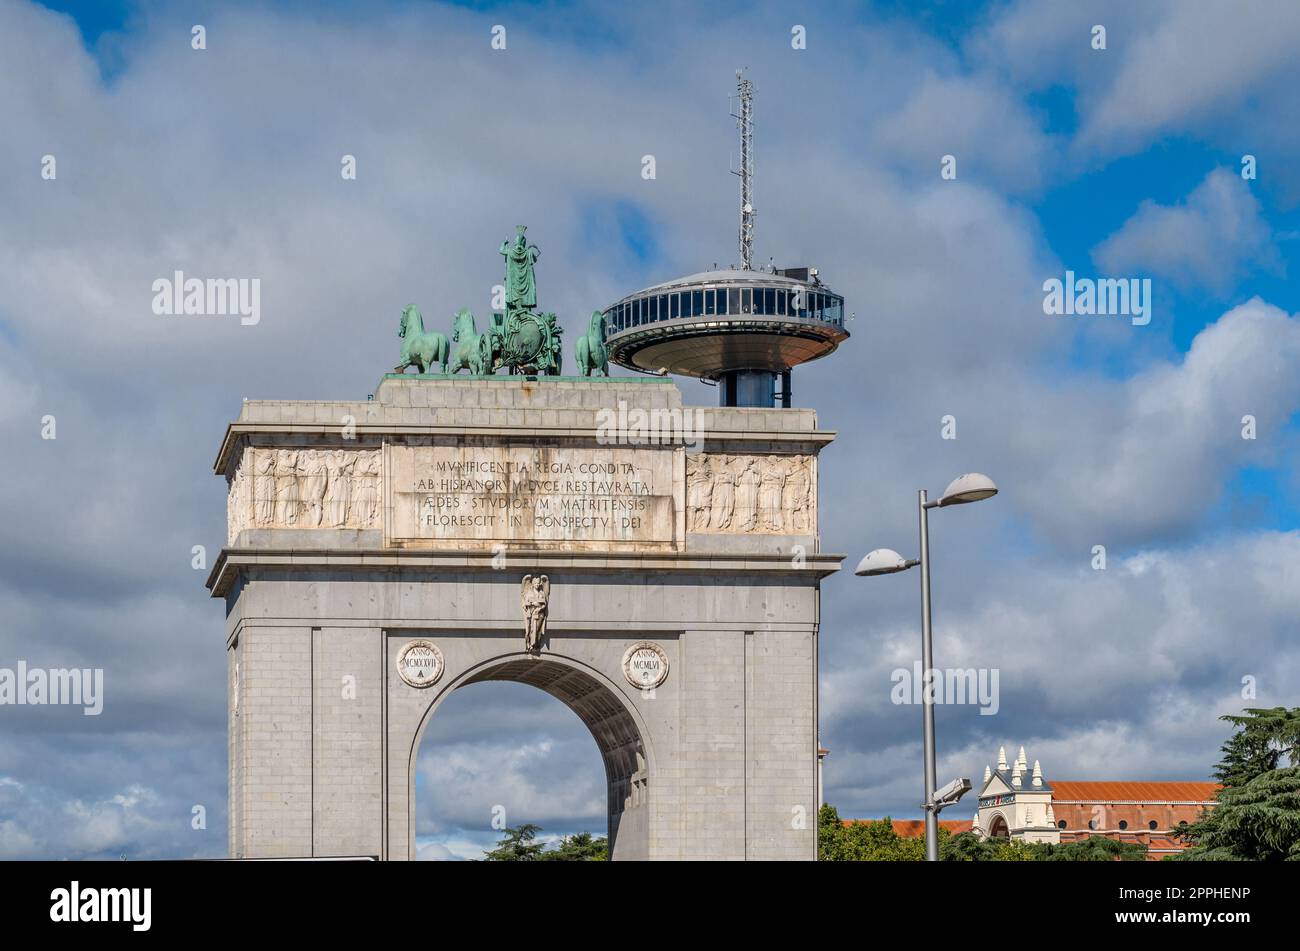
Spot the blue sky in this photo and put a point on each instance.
(1123, 162)
(1077, 211)
(94, 18)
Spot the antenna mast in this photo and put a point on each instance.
(745, 122)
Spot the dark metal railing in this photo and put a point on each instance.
(737, 303)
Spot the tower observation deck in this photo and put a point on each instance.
(738, 327)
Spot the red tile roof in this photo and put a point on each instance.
(1068, 791)
(911, 828)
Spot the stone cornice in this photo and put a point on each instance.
(234, 431)
(232, 560)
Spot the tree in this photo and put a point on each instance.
(829, 835)
(869, 841)
(1257, 815)
(1259, 821)
(969, 847)
(1265, 735)
(1095, 848)
(579, 847)
(876, 841)
(1246, 754)
(517, 845)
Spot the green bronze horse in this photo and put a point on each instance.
(593, 356)
(420, 349)
(473, 350)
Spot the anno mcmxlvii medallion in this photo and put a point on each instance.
(645, 665)
(420, 663)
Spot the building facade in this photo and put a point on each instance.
(1016, 802)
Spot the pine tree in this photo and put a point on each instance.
(830, 835)
(579, 847)
(1259, 822)
(1246, 754)
(1095, 848)
(1257, 816)
(1274, 728)
(517, 845)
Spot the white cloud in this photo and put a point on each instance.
(1222, 73)
(1148, 457)
(533, 780)
(1111, 674)
(1199, 61)
(435, 852)
(226, 164)
(41, 823)
(1207, 241)
(986, 128)
(502, 753)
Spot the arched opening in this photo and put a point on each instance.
(606, 713)
(502, 756)
(998, 828)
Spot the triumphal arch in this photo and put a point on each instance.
(653, 566)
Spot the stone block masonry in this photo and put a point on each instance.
(357, 527)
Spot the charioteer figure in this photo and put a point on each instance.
(520, 339)
(521, 281)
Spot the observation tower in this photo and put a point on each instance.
(738, 328)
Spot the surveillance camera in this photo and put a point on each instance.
(949, 794)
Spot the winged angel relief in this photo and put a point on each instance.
(535, 596)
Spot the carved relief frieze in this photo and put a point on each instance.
(305, 488)
(747, 494)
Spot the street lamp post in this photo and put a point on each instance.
(971, 487)
(927, 681)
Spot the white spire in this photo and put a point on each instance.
(1038, 774)
(1024, 763)
(1002, 758)
(1015, 774)
(1051, 815)
(988, 773)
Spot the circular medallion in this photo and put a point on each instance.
(420, 663)
(645, 665)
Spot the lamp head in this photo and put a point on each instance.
(882, 561)
(971, 487)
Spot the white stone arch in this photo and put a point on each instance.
(607, 710)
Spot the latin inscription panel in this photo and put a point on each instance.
(551, 497)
